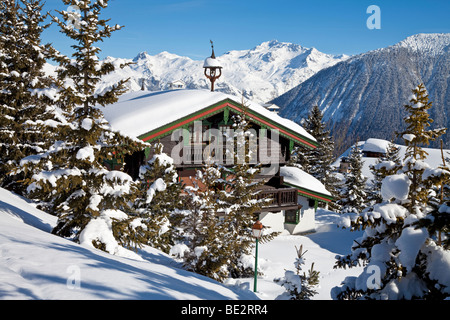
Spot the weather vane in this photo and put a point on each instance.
(212, 47)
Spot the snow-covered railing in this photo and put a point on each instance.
(279, 198)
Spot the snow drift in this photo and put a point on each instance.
(35, 264)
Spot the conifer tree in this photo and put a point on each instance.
(159, 200)
(240, 197)
(10, 28)
(298, 285)
(437, 221)
(71, 177)
(221, 208)
(203, 248)
(319, 159)
(416, 135)
(317, 162)
(400, 248)
(26, 93)
(353, 195)
(386, 166)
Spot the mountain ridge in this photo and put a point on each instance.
(361, 95)
(260, 74)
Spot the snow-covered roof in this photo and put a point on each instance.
(270, 106)
(138, 113)
(179, 81)
(299, 178)
(375, 145)
(211, 63)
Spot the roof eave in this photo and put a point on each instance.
(311, 194)
(219, 107)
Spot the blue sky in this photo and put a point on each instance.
(184, 27)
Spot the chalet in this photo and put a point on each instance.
(371, 150)
(158, 116)
(187, 121)
(344, 165)
(177, 84)
(271, 107)
(375, 148)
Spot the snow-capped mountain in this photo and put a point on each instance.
(262, 73)
(364, 96)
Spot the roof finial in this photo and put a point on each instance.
(212, 47)
(213, 70)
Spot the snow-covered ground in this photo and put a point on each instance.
(34, 264)
(279, 255)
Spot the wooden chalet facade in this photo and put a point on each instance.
(160, 116)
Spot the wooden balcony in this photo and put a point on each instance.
(195, 156)
(279, 199)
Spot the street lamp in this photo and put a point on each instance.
(257, 232)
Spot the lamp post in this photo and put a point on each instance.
(213, 69)
(257, 232)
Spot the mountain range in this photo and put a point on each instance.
(364, 96)
(261, 74)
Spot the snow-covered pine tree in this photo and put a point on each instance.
(26, 93)
(319, 159)
(400, 247)
(438, 220)
(386, 166)
(159, 200)
(298, 159)
(416, 135)
(353, 191)
(71, 177)
(317, 162)
(221, 209)
(298, 285)
(241, 201)
(202, 248)
(10, 28)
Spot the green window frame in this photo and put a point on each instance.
(292, 216)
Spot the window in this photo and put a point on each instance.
(196, 135)
(224, 129)
(291, 216)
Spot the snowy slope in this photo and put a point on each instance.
(37, 265)
(262, 73)
(429, 44)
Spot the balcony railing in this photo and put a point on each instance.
(279, 199)
(195, 155)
